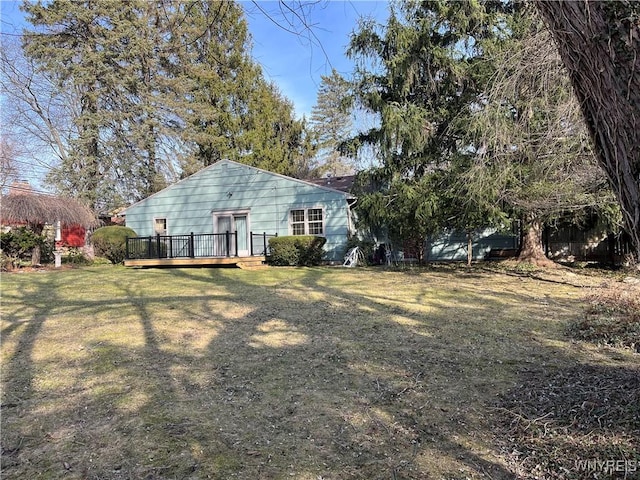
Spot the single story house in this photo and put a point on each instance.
(232, 197)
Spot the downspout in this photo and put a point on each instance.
(275, 197)
(351, 226)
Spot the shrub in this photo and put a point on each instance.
(296, 250)
(75, 257)
(111, 242)
(18, 243)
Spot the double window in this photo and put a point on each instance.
(309, 221)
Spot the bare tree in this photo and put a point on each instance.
(8, 155)
(34, 110)
(599, 43)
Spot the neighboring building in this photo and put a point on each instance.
(229, 196)
(452, 246)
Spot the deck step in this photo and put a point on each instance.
(252, 265)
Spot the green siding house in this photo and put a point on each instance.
(229, 196)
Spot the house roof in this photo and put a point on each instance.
(346, 194)
(344, 183)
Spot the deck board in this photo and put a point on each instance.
(241, 262)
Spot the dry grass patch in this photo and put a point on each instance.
(612, 316)
(277, 373)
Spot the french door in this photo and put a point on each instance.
(232, 222)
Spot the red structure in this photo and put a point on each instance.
(73, 236)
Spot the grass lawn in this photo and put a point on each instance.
(323, 373)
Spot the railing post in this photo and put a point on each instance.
(228, 243)
(158, 245)
(170, 248)
(251, 242)
(126, 248)
(236, 242)
(149, 251)
(191, 246)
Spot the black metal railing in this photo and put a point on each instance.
(196, 245)
(260, 243)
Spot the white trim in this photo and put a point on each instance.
(166, 225)
(306, 209)
(246, 212)
(231, 213)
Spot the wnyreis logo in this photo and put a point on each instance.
(608, 466)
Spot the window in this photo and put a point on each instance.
(307, 221)
(314, 217)
(160, 226)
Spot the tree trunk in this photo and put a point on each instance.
(36, 256)
(599, 44)
(36, 253)
(469, 247)
(531, 250)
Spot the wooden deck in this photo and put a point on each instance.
(240, 262)
(198, 250)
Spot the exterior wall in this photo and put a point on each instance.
(453, 245)
(190, 204)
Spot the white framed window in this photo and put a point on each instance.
(306, 221)
(160, 226)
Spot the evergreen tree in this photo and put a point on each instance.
(70, 48)
(161, 84)
(423, 76)
(219, 78)
(229, 110)
(110, 54)
(331, 121)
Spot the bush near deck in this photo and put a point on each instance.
(300, 250)
(111, 242)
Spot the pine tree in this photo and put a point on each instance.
(331, 121)
(423, 76)
(218, 76)
(535, 161)
(70, 50)
(162, 86)
(273, 139)
(109, 53)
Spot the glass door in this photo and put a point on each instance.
(240, 224)
(231, 222)
(223, 225)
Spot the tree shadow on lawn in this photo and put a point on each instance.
(292, 378)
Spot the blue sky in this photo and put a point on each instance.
(296, 62)
(293, 62)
